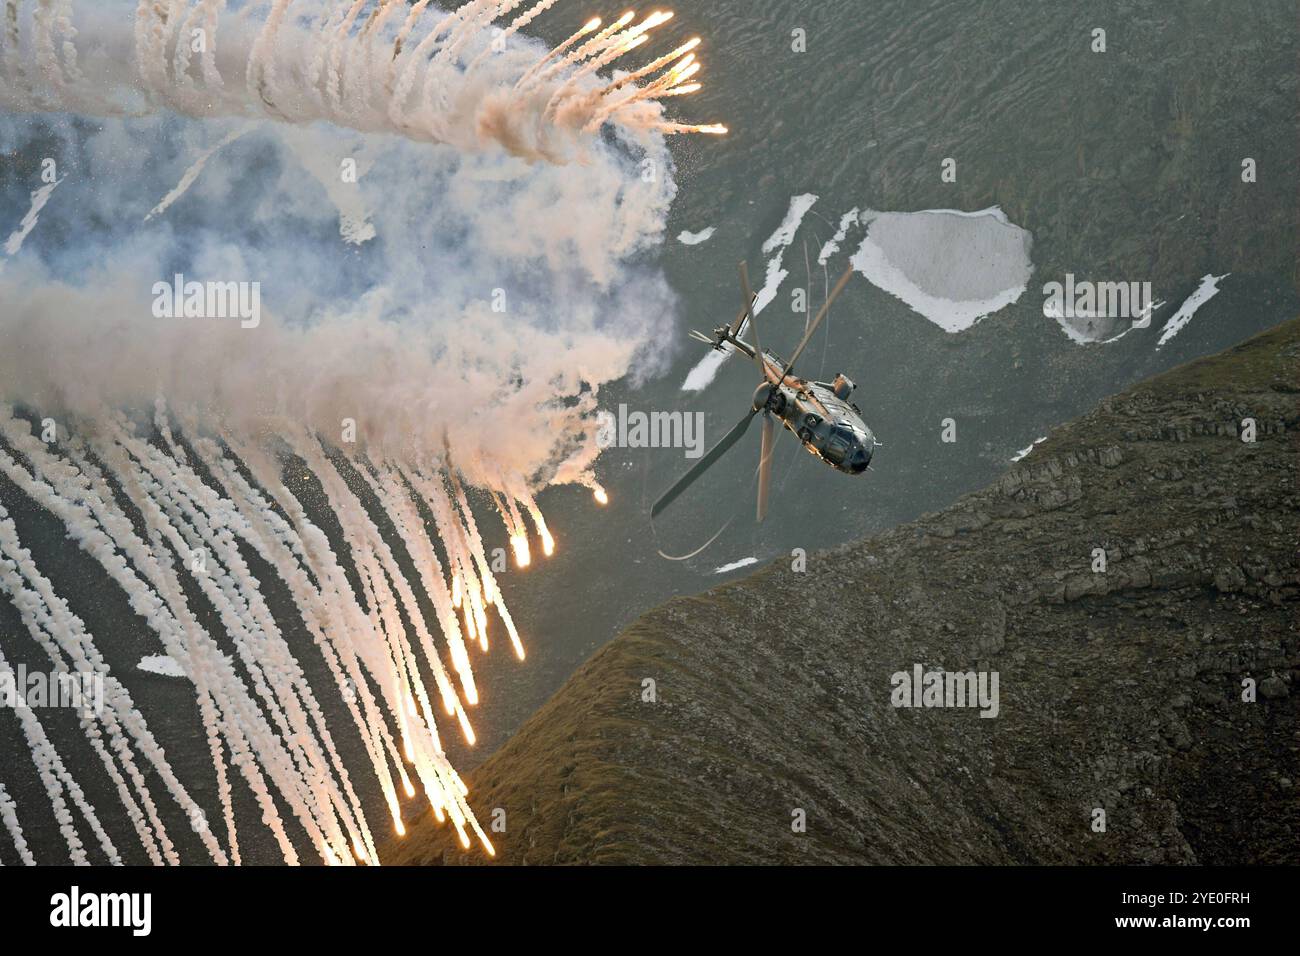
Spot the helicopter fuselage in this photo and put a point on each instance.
(819, 414)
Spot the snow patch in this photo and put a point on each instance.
(951, 266)
(695, 238)
(161, 664)
(706, 370)
(735, 565)
(1082, 336)
(1206, 291)
(1024, 452)
(784, 234)
(1143, 320)
(850, 218)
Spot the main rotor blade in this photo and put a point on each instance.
(703, 465)
(826, 307)
(765, 464)
(807, 290)
(740, 320)
(750, 299)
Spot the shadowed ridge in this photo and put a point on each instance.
(1118, 690)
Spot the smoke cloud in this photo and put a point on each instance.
(472, 294)
(296, 227)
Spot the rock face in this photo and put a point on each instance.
(1161, 690)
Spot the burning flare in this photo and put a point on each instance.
(441, 77)
(140, 495)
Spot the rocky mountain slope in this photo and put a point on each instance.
(1119, 690)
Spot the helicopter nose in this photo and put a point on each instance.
(861, 457)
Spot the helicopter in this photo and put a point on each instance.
(820, 414)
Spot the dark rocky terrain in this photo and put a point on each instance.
(1120, 690)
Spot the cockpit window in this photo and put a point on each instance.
(837, 449)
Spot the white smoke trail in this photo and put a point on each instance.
(9, 814)
(452, 343)
(56, 631)
(267, 532)
(279, 679)
(207, 518)
(193, 173)
(617, 46)
(654, 66)
(560, 52)
(398, 506)
(336, 604)
(38, 608)
(297, 74)
(660, 87)
(76, 500)
(39, 198)
(46, 760)
(599, 42)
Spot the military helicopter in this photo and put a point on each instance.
(820, 414)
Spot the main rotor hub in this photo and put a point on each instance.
(769, 398)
